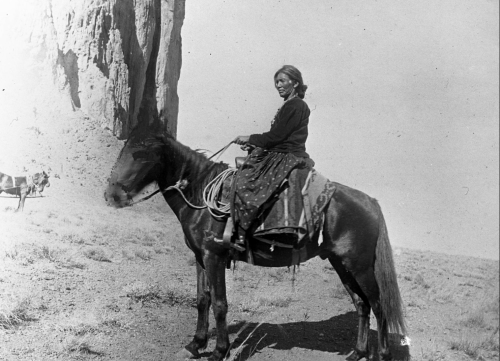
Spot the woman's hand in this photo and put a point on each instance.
(247, 147)
(241, 139)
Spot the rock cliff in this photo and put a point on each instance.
(118, 60)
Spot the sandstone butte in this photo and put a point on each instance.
(118, 60)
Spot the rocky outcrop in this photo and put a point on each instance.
(118, 60)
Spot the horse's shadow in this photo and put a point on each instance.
(336, 335)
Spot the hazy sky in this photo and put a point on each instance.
(404, 98)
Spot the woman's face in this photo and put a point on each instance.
(284, 85)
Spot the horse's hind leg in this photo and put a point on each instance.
(369, 287)
(362, 306)
(203, 304)
(20, 206)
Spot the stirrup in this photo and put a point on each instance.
(238, 247)
(227, 238)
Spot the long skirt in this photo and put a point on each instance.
(258, 180)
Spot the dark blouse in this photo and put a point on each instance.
(288, 133)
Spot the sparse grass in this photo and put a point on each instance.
(249, 306)
(45, 252)
(148, 240)
(83, 329)
(338, 291)
(476, 346)
(176, 296)
(143, 293)
(73, 238)
(237, 352)
(96, 254)
(277, 275)
(474, 319)
(111, 323)
(163, 250)
(263, 303)
(493, 306)
(80, 345)
(16, 316)
(427, 355)
(191, 261)
(12, 254)
(275, 301)
(72, 263)
(150, 294)
(143, 254)
(420, 281)
(128, 254)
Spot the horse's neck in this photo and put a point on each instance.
(188, 165)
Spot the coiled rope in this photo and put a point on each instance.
(212, 193)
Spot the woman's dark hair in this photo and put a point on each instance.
(295, 75)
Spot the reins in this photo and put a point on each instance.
(209, 197)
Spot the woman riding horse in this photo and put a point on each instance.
(355, 238)
(275, 153)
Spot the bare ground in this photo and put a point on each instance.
(79, 280)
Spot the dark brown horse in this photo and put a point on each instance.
(355, 240)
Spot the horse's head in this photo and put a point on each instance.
(41, 180)
(137, 166)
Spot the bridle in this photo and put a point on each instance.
(208, 194)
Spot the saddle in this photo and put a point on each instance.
(289, 220)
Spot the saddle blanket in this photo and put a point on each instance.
(297, 212)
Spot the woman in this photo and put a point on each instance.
(275, 153)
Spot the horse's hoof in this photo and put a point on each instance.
(185, 355)
(386, 357)
(357, 356)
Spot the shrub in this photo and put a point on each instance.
(420, 281)
(176, 296)
(19, 314)
(45, 252)
(97, 254)
(143, 254)
(143, 293)
(475, 347)
(80, 345)
(474, 319)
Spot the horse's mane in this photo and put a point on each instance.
(177, 160)
(192, 166)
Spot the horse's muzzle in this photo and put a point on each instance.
(116, 197)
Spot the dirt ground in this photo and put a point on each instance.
(81, 281)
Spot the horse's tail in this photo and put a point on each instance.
(385, 274)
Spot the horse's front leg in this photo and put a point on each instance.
(22, 199)
(216, 272)
(203, 304)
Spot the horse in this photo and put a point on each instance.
(23, 186)
(355, 240)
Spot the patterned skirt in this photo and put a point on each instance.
(259, 180)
